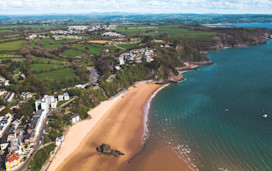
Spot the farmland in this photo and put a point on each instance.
(127, 45)
(72, 53)
(46, 60)
(12, 46)
(48, 43)
(57, 74)
(45, 67)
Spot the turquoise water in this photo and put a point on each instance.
(191, 117)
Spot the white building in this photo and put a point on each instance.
(46, 103)
(39, 123)
(74, 118)
(5, 121)
(16, 147)
(10, 97)
(60, 97)
(66, 96)
(121, 60)
(59, 140)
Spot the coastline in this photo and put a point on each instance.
(79, 131)
(122, 127)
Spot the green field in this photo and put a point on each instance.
(112, 48)
(12, 46)
(5, 31)
(72, 53)
(46, 60)
(33, 27)
(134, 32)
(57, 74)
(176, 31)
(95, 49)
(49, 43)
(10, 56)
(127, 46)
(45, 67)
(136, 26)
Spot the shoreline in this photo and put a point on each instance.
(122, 127)
(69, 145)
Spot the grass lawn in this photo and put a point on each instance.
(72, 52)
(44, 67)
(133, 32)
(112, 48)
(57, 74)
(134, 26)
(34, 27)
(50, 43)
(95, 49)
(5, 31)
(176, 32)
(10, 56)
(127, 46)
(12, 46)
(46, 60)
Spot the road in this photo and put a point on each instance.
(37, 146)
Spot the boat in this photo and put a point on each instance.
(265, 116)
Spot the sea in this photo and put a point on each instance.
(214, 119)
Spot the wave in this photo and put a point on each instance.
(146, 112)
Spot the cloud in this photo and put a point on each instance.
(136, 6)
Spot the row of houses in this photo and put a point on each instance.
(7, 95)
(3, 81)
(14, 143)
(137, 56)
(113, 34)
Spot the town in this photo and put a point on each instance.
(52, 74)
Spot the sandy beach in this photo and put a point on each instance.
(79, 131)
(120, 125)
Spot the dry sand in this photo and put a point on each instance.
(79, 131)
(121, 126)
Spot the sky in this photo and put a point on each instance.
(136, 6)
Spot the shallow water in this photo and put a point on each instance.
(191, 117)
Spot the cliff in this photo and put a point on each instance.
(238, 37)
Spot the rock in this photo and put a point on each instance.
(180, 47)
(107, 150)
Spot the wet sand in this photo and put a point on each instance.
(122, 128)
(157, 158)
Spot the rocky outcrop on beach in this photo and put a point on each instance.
(107, 150)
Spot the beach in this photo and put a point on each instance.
(121, 126)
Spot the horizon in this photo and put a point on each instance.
(47, 7)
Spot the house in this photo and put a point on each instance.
(157, 41)
(2, 107)
(117, 68)
(121, 60)
(10, 96)
(60, 97)
(66, 96)
(16, 147)
(46, 103)
(149, 59)
(74, 118)
(162, 45)
(166, 45)
(59, 140)
(5, 121)
(13, 161)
